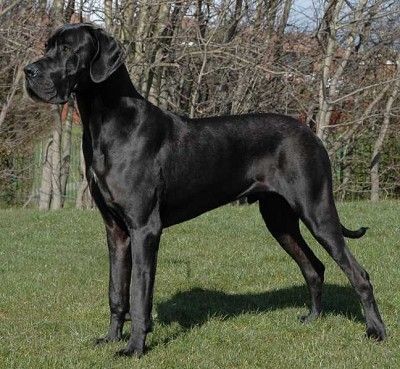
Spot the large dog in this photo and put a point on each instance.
(148, 169)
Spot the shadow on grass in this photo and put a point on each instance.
(196, 306)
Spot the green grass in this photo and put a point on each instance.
(226, 295)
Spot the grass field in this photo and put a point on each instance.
(226, 295)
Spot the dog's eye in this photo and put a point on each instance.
(66, 49)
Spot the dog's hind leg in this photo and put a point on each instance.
(320, 216)
(283, 223)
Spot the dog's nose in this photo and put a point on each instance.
(31, 70)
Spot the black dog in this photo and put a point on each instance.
(149, 169)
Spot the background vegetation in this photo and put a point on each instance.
(334, 64)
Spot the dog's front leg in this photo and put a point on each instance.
(120, 273)
(144, 247)
(118, 242)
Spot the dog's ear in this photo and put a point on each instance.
(108, 57)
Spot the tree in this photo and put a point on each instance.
(206, 57)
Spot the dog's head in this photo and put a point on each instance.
(75, 55)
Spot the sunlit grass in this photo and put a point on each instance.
(226, 295)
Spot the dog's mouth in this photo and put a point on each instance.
(45, 92)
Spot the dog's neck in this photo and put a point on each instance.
(111, 92)
(117, 85)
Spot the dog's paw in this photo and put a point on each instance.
(127, 352)
(104, 340)
(377, 333)
(310, 317)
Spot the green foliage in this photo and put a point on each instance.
(355, 156)
(226, 295)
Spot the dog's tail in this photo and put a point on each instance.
(353, 234)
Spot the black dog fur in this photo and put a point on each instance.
(148, 169)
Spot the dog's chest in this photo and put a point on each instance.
(99, 173)
(100, 182)
(107, 174)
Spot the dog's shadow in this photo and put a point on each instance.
(196, 306)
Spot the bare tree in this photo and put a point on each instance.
(205, 57)
(378, 145)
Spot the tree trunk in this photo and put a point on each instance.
(66, 151)
(345, 181)
(233, 22)
(56, 200)
(327, 37)
(381, 137)
(228, 37)
(332, 70)
(69, 11)
(108, 14)
(197, 87)
(57, 10)
(153, 88)
(45, 186)
(127, 25)
(283, 21)
(271, 11)
(83, 199)
(139, 52)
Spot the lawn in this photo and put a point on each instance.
(226, 295)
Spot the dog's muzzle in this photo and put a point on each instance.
(31, 71)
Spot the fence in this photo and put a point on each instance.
(23, 186)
